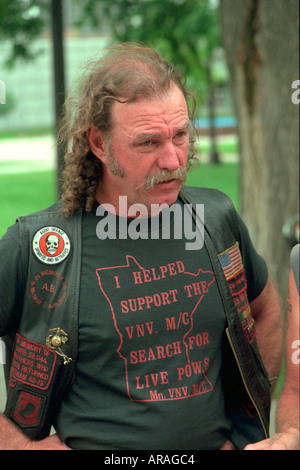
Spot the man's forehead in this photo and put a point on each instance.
(168, 106)
(177, 128)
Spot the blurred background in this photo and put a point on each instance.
(241, 59)
(45, 45)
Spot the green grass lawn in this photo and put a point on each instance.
(24, 193)
(224, 176)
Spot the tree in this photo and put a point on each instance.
(185, 32)
(261, 43)
(21, 23)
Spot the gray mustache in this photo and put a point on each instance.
(161, 177)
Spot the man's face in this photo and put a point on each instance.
(147, 154)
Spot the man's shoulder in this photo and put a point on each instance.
(220, 216)
(13, 231)
(50, 218)
(56, 208)
(204, 195)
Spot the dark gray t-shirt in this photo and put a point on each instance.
(151, 326)
(150, 339)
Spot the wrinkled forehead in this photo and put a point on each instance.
(171, 101)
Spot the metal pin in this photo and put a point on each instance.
(56, 340)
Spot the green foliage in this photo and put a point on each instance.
(185, 32)
(21, 22)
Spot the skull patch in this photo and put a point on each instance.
(51, 245)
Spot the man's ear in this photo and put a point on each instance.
(96, 141)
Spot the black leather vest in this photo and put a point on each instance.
(43, 352)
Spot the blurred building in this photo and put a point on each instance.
(29, 86)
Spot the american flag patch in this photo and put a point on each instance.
(231, 261)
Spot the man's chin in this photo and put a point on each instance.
(165, 193)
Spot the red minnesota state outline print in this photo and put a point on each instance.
(165, 359)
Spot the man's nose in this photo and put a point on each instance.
(168, 159)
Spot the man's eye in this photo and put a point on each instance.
(180, 135)
(146, 143)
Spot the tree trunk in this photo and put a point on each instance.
(214, 155)
(59, 82)
(261, 42)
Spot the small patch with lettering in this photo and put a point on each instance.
(51, 245)
(32, 364)
(231, 262)
(48, 288)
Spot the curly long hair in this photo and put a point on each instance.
(124, 71)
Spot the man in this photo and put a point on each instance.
(128, 331)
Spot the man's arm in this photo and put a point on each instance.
(288, 413)
(287, 419)
(11, 438)
(266, 311)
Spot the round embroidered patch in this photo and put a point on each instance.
(51, 245)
